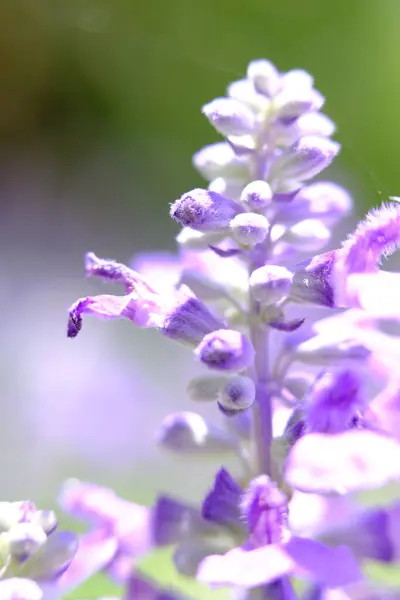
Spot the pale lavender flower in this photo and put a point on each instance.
(20, 589)
(226, 350)
(120, 529)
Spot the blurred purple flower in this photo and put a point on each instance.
(120, 529)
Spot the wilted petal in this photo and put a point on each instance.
(343, 463)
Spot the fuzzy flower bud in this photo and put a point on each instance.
(237, 395)
(264, 76)
(204, 210)
(249, 229)
(229, 116)
(219, 160)
(270, 284)
(46, 519)
(226, 350)
(257, 195)
(265, 509)
(308, 157)
(205, 388)
(191, 239)
(189, 432)
(310, 235)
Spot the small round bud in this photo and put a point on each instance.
(270, 284)
(310, 235)
(46, 519)
(205, 388)
(264, 76)
(229, 116)
(226, 350)
(220, 160)
(249, 229)
(25, 538)
(257, 195)
(191, 239)
(237, 395)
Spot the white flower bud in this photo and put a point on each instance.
(264, 76)
(249, 229)
(197, 240)
(219, 160)
(189, 432)
(229, 116)
(270, 284)
(238, 394)
(257, 195)
(310, 235)
(46, 519)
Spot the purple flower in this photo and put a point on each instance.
(225, 350)
(204, 210)
(120, 529)
(179, 315)
(334, 401)
(272, 553)
(354, 460)
(222, 503)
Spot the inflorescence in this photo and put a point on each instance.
(311, 406)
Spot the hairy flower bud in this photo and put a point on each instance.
(237, 394)
(219, 160)
(191, 239)
(204, 210)
(310, 235)
(189, 432)
(270, 284)
(257, 195)
(308, 157)
(249, 229)
(264, 76)
(229, 116)
(226, 350)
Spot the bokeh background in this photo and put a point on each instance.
(99, 117)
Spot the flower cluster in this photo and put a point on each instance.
(311, 407)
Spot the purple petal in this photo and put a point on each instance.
(95, 552)
(343, 463)
(287, 326)
(222, 503)
(225, 252)
(300, 557)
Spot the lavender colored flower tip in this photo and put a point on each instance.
(303, 161)
(226, 350)
(189, 319)
(312, 281)
(112, 270)
(20, 589)
(265, 509)
(378, 235)
(230, 117)
(334, 401)
(204, 210)
(222, 503)
(270, 284)
(341, 463)
(299, 557)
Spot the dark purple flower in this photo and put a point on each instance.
(222, 503)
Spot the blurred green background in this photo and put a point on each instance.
(99, 117)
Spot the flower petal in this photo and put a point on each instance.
(343, 463)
